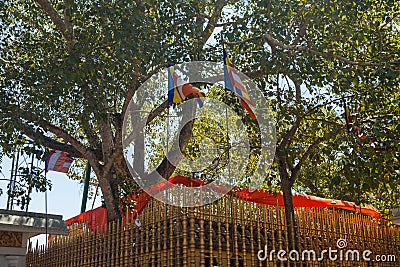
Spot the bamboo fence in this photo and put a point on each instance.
(229, 232)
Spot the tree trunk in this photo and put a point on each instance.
(110, 191)
(290, 222)
(286, 186)
(110, 183)
(138, 164)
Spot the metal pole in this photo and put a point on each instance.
(46, 210)
(10, 184)
(86, 187)
(13, 180)
(30, 182)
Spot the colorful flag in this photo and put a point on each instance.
(178, 90)
(58, 161)
(351, 128)
(234, 84)
(348, 117)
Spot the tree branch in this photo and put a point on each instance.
(302, 30)
(118, 149)
(110, 162)
(166, 168)
(53, 129)
(102, 117)
(324, 121)
(84, 152)
(61, 26)
(311, 149)
(140, 125)
(91, 135)
(48, 142)
(219, 5)
(287, 137)
(296, 86)
(275, 43)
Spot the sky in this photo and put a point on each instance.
(64, 199)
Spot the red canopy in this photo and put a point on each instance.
(98, 217)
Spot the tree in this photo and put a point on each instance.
(368, 167)
(69, 69)
(79, 64)
(316, 53)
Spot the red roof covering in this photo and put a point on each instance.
(98, 217)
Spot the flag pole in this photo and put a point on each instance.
(227, 125)
(86, 187)
(46, 169)
(166, 154)
(227, 141)
(167, 148)
(45, 206)
(226, 109)
(95, 195)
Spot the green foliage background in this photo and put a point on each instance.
(68, 67)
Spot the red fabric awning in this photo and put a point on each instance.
(305, 201)
(93, 218)
(98, 217)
